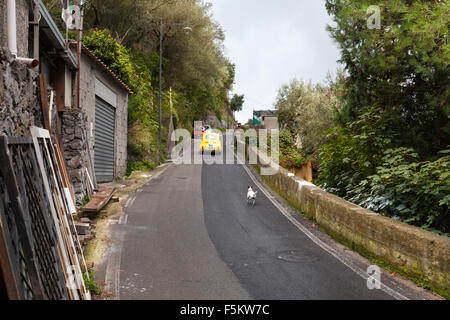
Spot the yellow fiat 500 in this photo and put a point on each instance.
(211, 143)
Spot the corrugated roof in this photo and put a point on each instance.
(48, 26)
(103, 66)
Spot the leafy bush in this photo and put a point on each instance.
(90, 283)
(114, 55)
(361, 163)
(415, 192)
(140, 166)
(290, 156)
(352, 153)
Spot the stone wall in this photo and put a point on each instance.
(3, 24)
(20, 106)
(78, 128)
(414, 252)
(74, 140)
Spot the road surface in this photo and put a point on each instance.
(190, 234)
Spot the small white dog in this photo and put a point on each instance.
(251, 195)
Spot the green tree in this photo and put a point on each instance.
(385, 154)
(307, 110)
(402, 68)
(237, 103)
(114, 55)
(125, 35)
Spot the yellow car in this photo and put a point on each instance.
(211, 143)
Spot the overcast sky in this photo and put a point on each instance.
(273, 41)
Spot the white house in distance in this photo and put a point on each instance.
(267, 119)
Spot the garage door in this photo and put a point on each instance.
(104, 141)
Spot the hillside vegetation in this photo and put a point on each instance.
(125, 35)
(381, 129)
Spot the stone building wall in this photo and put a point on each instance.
(78, 128)
(75, 143)
(90, 70)
(3, 24)
(20, 106)
(22, 16)
(271, 123)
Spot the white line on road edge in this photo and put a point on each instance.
(112, 277)
(123, 219)
(133, 199)
(316, 240)
(130, 201)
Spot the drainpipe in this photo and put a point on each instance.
(12, 37)
(30, 62)
(36, 30)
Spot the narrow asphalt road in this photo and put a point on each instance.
(190, 234)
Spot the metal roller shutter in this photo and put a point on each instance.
(104, 141)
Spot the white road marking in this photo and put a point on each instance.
(133, 199)
(112, 278)
(123, 219)
(130, 201)
(362, 273)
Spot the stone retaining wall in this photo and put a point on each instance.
(20, 106)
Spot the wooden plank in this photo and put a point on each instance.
(63, 169)
(10, 275)
(91, 189)
(74, 240)
(99, 201)
(59, 84)
(62, 208)
(44, 102)
(50, 111)
(66, 181)
(40, 133)
(91, 166)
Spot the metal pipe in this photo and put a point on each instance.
(12, 26)
(160, 87)
(79, 60)
(36, 30)
(32, 63)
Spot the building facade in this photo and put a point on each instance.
(89, 117)
(267, 119)
(104, 100)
